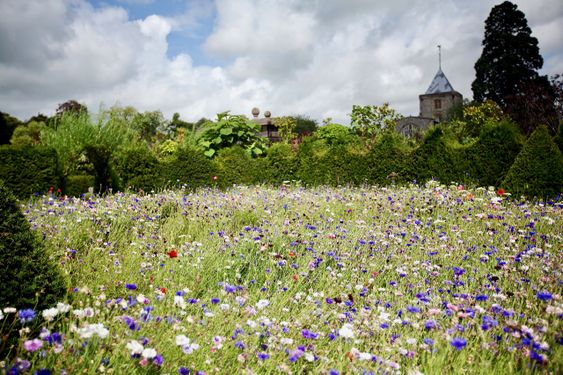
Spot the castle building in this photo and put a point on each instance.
(434, 104)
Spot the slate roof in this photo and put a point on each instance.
(440, 84)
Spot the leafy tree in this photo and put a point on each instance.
(286, 128)
(147, 123)
(71, 106)
(371, 120)
(28, 135)
(231, 130)
(507, 68)
(8, 124)
(336, 134)
(305, 125)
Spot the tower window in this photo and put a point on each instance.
(437, 104)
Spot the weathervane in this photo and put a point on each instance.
(439, 56)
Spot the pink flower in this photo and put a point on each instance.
(32, 345)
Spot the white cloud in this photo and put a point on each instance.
(289, 57)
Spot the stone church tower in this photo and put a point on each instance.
(435, 104)
(439, 98)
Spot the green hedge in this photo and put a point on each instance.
(77, 185)
(137, 168)
(189, 167)
(538, 168)
(29, 170)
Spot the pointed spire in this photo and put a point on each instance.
(439, 57)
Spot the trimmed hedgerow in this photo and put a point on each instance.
(235, 166)
(189, 167)
(30, 279)
(538, 168)
(280, 164)
(77, 185)
(388, 160)
(28, 170)
(137, 168)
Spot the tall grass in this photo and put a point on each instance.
(294, 280)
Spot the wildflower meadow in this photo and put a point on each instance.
(323, 280)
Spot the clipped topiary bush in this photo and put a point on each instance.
(538, 168)
(189, 166)
(490, 157)
(137, 168)
(280, 164)
(388, 160)
(77, 185)
(235, 166)
(30, 279)
(29, 170)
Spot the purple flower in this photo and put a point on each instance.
(481, 297)
(413, 309)
(544, 296)
(230, 288)
(333, 372)
(240, 345)
(32, 345)
(26, 315)
(184, 371)
(131, 286)
(263, 356)
(428, 341)
(158, 360)
(430, 324)
(215, 301)
(458, 343)
(309, 334)
(43, 371)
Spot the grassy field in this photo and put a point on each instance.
(433, 280)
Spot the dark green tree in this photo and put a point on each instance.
(7, 126)
(510, 56)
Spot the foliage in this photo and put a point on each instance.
(388, 160)
(28, 135)
(29, 170)
(8, 124)
(305, 125)
(167, 148)
(235, 166)
(336, 134)
(188, 167)
(100, 156)
(77, 185)
(510, 57)
(435, 158)
(147, 123)
(489, 158)
(534, 105)
(538, 168)
(231, 130)
(137, 168)
(370, 120)
(286, 128)
(72, 107)
(477, 116)
(279, 165)
(30, 277)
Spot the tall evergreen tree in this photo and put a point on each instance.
(510, 56)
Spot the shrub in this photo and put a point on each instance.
(434, 158)
(336, 134)
(280, 164)
(387, 161)
(490, 157)
(28, 170)
(538, 168)
(77, 185)
(137, 168)
(189, 166)
(235, 166)
(29, 277)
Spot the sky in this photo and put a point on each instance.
(315, 58)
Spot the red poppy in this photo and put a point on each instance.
(500, 192)
(291, 254)
(163, 290)
(172, 253)
(295, 277)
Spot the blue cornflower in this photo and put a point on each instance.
(43, 371)
(544, 296)
(428, 341)
(430, 324)
(215, 301)
(384, 325)
(309, 334)
(481, 297)
(230, 288)
(413, 309)
(26, 315)
(131, 286)
(458, 343)
(263, 356)
(158, 360)
(240, 345)
(333, 372)
(184, 371)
